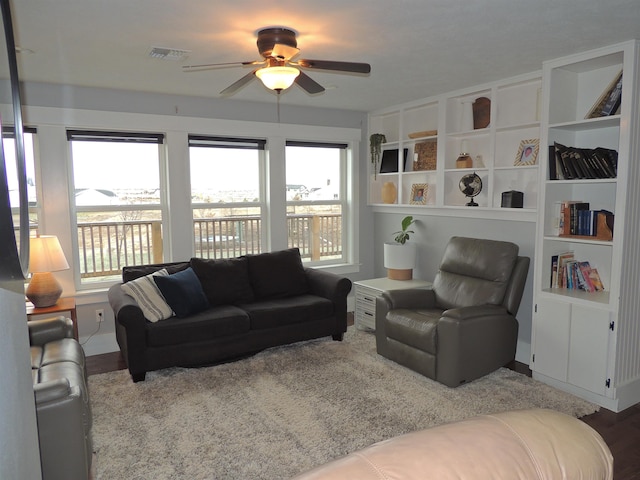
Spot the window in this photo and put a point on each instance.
(118, 197)
(8, 138)
(316, 199)
(226, 195)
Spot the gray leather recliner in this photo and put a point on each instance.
(464, 326)
(63, 409)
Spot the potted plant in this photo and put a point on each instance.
(375, 147)
(400, 256)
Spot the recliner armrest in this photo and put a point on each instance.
(410, 298)
(466, 313)
(49, 329)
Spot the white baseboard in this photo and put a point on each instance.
(523, 352)
(99, 344)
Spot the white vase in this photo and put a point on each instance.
(466, 120)
(399, 260)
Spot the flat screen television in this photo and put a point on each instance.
(389, 162)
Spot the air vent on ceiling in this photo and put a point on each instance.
(162, 53)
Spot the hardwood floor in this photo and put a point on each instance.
(621, 430)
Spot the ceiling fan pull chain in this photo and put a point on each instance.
(278, 104)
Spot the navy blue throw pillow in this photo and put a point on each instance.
(183, 292)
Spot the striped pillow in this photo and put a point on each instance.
(145, 292)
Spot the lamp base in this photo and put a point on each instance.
(399, 274)
(43, 290)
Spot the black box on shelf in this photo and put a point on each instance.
(512, 199)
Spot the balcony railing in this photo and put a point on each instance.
(106, 247)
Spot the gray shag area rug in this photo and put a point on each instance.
(284, 411)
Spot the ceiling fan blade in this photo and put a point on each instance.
(332, 65)
(207, 66)
(309, 84)
(285, 52)
(234, 87)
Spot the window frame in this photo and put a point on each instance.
(346, 224)
(102, 136)
(242, 143)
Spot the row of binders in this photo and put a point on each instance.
(568, 163)
(567, 272)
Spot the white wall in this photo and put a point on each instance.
(432, 234)
(53, 108)
(76, 106)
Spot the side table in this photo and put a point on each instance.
(368, 290)
(66, 304)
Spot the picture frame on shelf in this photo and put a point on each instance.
(609, 102)
(528, 152)
(418, 194)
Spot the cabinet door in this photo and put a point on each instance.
(589, 348)
(551, 326)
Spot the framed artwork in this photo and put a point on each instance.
(418, 194)
(528, 152)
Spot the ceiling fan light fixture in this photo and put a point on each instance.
(277, 78)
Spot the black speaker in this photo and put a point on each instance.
(512, 199)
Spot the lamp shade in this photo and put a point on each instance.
(46, 254)
(277, 78)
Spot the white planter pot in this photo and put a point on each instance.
(399, 260)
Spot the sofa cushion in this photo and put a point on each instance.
(136, 271)
(213, 323)
(224, 281)
(286, 311)
(148, 297)
(277, 274)
(183, 292)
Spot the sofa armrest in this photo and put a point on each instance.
(51, 390)
(126, 310)
(327, 284)
(49, 329)
(63, 431)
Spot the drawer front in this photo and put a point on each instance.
(367, 295)
(365, 314)
(365, 319)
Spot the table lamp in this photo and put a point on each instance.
(45, 256)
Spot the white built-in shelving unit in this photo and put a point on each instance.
(589, 343)
(514, 118)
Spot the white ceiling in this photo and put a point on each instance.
(416, 48)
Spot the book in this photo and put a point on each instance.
(554, 271)
(574, 209)
(585, 271)
(556, 219)
(594, 277)
(553, 174)
(565, 216)
(563, 259)
(614, 99)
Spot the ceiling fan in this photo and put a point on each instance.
(278, 71)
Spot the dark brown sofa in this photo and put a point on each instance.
(252, 303)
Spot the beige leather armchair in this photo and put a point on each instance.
(464, 326)
(520, 445)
